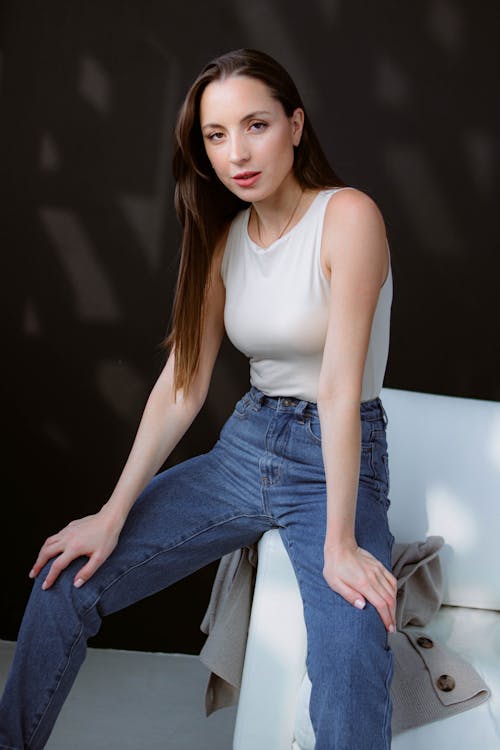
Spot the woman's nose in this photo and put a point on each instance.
(239, 149)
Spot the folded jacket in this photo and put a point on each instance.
(430, 681)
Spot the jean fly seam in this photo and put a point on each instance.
(264, 500)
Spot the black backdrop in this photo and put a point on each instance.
(402, 97)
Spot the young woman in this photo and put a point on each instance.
(294, 265)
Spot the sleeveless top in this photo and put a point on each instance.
(276, 308)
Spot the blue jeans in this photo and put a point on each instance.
(265, 471)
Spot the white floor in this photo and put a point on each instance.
(129, 700)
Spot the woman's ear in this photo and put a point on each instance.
(297, 125)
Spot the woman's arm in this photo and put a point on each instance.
(165, 421)
(163, 424)
(354, 242)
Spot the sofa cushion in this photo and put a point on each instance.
(444, 465)
(475, 635)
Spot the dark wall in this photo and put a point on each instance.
(402, 98)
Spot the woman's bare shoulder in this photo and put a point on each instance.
(354, 224)
(354, 204)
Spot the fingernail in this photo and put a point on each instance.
(44, 585)
(32, 573)
(392, 629)
(79, 582)
(359, 603)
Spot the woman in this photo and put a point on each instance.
(294, 264)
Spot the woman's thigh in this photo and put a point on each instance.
(300, 504)
(188, 516)
(349, 660)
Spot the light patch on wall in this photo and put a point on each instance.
(49, 158)
(392, 87)
(122, 387)
(481, 152)
(94, 299)
(31, 326)
(330, 10)
(94, 84)
(446, 25)
(422, 192)
(449, 517)
(145, 216)
(269, 29)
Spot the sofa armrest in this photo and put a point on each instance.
(276, 652)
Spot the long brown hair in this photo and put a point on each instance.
(204, 206)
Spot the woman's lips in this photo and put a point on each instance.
(246, 179)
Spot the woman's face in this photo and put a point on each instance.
(248, 138)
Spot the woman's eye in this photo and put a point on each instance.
(214, 136)
(258, 125)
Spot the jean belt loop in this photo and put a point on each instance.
(384, 415)
(299, 411)
(257, 397)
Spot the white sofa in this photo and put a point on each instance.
(444, 460)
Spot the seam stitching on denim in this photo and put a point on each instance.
(168, 549)
(390, 666)
(37, 727)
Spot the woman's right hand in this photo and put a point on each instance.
(94, 536)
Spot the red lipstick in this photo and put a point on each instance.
(246, 179)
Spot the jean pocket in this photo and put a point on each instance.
(313, 429)
(366, 470)
(374, 471)
(381, 459)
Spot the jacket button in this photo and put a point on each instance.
(445, 683)
(425, 642)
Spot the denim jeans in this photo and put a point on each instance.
(265, 471)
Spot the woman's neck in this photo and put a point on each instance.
(272, 217)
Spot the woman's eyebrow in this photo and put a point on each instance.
(243, 119)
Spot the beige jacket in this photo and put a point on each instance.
(430, 681)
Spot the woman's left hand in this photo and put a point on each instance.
(357, 575)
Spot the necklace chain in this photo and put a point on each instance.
(286, 225)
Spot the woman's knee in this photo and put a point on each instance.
(63, 593)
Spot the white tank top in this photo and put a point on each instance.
(276, 309)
